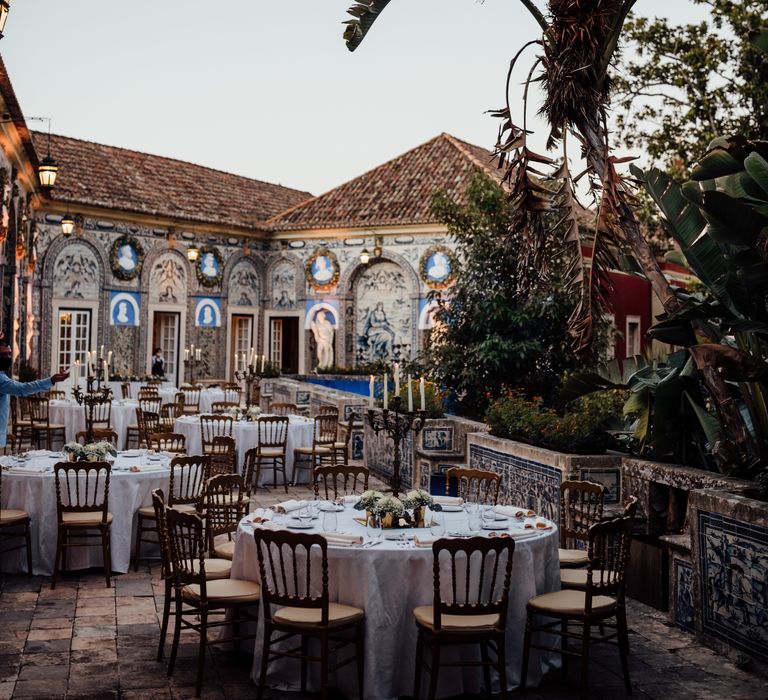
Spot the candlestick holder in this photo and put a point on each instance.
(91, 399)
(192, 363)
(252, 380)
(397, 424)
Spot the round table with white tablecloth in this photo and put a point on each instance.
(31, 486)
(70, 414)
(388, 582)
(246, 435)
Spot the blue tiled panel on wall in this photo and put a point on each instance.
(734, 579)
(523, 482)
(684, 610)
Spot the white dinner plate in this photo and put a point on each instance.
(296, 525)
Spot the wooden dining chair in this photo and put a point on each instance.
(15, 527)
(191, 400)
(223, 455)
(296, 603)
(223, 406)
(148, 423)
(581, 506)
(98, 414)
(214, 568)
(97, 435)
(82, 507)
(168, 442)
(600, 598)
(341, 447)
(340, 479)
(222, 507)
(21, 422)
(270, 452)
(233, 393)
(147, 392)
(212, 426)
(42, 428)
(474, 485)
(470, 601)
(56, 394)
(283, 409)
(151, 403)
(324, 437)
(169, 412)
(197, 597)
(185, 485)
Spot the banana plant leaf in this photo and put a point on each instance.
(757, 168)
(364, 13)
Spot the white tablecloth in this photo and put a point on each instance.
(246, 436)
(72, 415)
(35, 492)
(388, 582)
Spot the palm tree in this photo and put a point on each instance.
(578, 43)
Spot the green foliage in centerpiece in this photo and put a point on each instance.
(419, 498)
(368, 500)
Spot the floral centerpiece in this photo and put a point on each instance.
(418, 501)
(92, 452)
(253, 413)
(392, 512)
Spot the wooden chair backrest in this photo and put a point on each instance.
(187, 477)
(283, 409)
(222, 506)
(273, 431)
(581, 506)
(474, 485)
(168, 442)
(340, 479)
(98, 435)
(326, 430)
(286, 568)
(471, 577)
(223, 455)
(125, 390)
(608, 555)
(212, 426)
(187, 549)
(82, 487)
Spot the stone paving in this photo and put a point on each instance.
(86, 641)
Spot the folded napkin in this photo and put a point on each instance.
(289, 506)
(261, 515)
(514, 512)
(339, 539)
(265, 525)
(448, 500)
(424, 540)
(29, 469)
(351, 500)
(519, 534)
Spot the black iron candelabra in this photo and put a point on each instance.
(397, 424)
(252, 381)
(90, 399)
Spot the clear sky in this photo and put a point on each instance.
(268, 89)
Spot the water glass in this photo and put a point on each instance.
(305, 516)
(475, 522)
(488, 516)
(330, 521)
(437, 524)
(373, 527)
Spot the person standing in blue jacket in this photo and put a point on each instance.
(10, 387)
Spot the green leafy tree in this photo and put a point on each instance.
(489, 338)
(687, 84)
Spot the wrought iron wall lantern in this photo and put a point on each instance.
(193, 253)
(5, 7)
(365, 256)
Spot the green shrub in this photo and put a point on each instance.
(580, 430)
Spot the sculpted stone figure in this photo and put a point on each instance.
(323, 330)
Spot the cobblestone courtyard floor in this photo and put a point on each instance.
(84, 640)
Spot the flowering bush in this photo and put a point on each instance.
(579, 431)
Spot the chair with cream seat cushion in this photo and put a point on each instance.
(470, 601)
(288, 566)
(223, 507)
(14, 526)
(185, 486)
(270, 452)
(581, 506)
(214, 568)
(82, 498)
(196, 597)
(339, 480)
(599, 599)
(324, 437)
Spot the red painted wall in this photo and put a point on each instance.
(631, 297)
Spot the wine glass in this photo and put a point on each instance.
(488, 516)
(373, 527)
(437, 524)
(305, 516)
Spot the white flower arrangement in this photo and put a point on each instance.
(368, 500)
(253, 412)
(419, 498)
(98, 450)
(389, 504)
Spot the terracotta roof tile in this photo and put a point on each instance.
(398, 192)
(119, 178)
